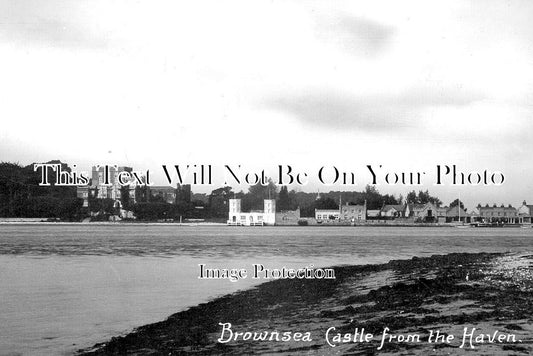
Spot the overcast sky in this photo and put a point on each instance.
(407, 85)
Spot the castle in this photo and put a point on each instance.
(254, 217)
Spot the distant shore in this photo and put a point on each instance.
(108, 223)
(490, 293)
(38, 221)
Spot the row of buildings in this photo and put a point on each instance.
(104, 183)
(429, 212)
(267, 216)
(358, 214)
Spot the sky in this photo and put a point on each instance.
(406, 85)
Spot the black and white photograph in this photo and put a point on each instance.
(266, 177)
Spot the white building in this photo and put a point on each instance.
(327, 214)
(525, 212)
(252, 218)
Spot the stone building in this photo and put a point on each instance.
(427, 212)
(394, 211)
(353, 213)
(164, 192)
(104, 184)
(345, 214)
(288, 217)
(498, 214)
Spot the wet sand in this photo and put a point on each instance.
(450, 294)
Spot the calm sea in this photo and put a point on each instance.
(65, 287)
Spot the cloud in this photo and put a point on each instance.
(339, 112)
(52, 33)
(49, 24)
(372, 113)
(356, 34)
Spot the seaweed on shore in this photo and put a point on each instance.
(447, 292)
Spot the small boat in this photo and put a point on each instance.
(482, 225)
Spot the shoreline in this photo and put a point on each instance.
(175, 224)
(108, 223)
(488, 291)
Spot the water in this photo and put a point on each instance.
(65, 287)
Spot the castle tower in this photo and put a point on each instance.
(269, 215)
(270, 206)
(234, 206)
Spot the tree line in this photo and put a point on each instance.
(21, 196)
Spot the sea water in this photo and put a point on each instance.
(66, 287)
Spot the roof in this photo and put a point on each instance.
(418, 206)
(349, 207)
(530, 207)
(454, 211)
(497, 208)
(397, 207)
(372, 212)
(161, 188)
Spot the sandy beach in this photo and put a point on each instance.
(446, 304)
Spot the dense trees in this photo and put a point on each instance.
(286, 200)
(125, 199)
(283, 199)
(154, 210)
(21, 195)
(376, 200)
(325, 203)
(456, 202)
(151, 206)
(218, 202)
(422, 198)
(254, 199)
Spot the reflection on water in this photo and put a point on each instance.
(67, 287)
